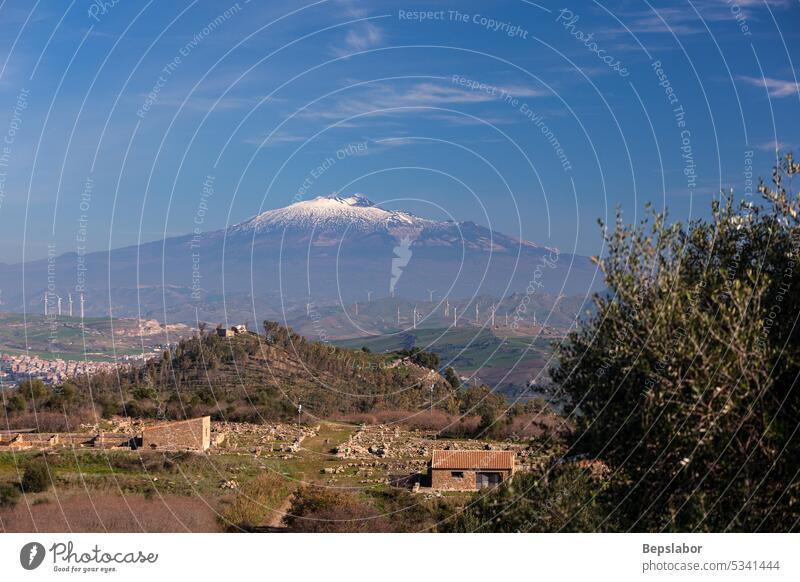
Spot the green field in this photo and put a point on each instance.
(504, 362)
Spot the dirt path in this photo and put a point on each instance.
(313, 455)
(275, 523)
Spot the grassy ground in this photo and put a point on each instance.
(245, 484)
(243, 491)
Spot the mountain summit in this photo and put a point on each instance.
(332, 213)
(329, 249)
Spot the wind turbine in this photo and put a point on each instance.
(82, 302)
(69, 295)
(59, 305)
(430, 294)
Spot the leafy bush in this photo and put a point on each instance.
(9, 494)
(420, 357)
(452, 378)
(324, 510)
(562, 500)
(684, 378)
(36, 477)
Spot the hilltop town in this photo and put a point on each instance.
(18, 368)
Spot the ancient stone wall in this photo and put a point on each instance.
(194, 434)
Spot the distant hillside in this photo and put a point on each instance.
(96, 338)
(269, 375)
(499, 358)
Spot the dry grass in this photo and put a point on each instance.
(78, 512)
(254, 505)
(321, 510)
(532, 425)
(435, 420)
(49, 421)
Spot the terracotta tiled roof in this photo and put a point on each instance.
(472, 460)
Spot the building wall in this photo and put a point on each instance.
(194, 434)
(444, 479)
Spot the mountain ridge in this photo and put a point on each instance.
(329, 248)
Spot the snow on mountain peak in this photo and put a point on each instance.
(332, 213)
(354, 200)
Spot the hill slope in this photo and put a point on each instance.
(252, 377)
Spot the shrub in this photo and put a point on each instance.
(565, 499)
(36, 477)
(324, 510)
(452, 378)
(9, 494)
(685, 375)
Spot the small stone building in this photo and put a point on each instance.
(232, 331)
(182, 435)
(470, 470)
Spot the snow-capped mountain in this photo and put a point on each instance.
(331, 213)
(331, 248)
(333, 219)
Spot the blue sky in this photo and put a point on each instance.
(534, 119)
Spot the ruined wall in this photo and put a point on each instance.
(194, 434)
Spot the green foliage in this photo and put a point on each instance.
(420, 357)
(683, 379)
(9, 494)
(325, 510)
(486, 403)
(246, 378)
(36, 477)
(565, 499)
(33, 390)
(452, 378)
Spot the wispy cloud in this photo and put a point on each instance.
(683, 21)
(666, 20)
(385, 98)
(761, 3)
(278, 139)
(775, 87)
(772, 146)
(361, 36)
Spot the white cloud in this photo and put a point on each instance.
(424, 94)
(277, 139)
(363, 36)
(775, 87)
(771, 146)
